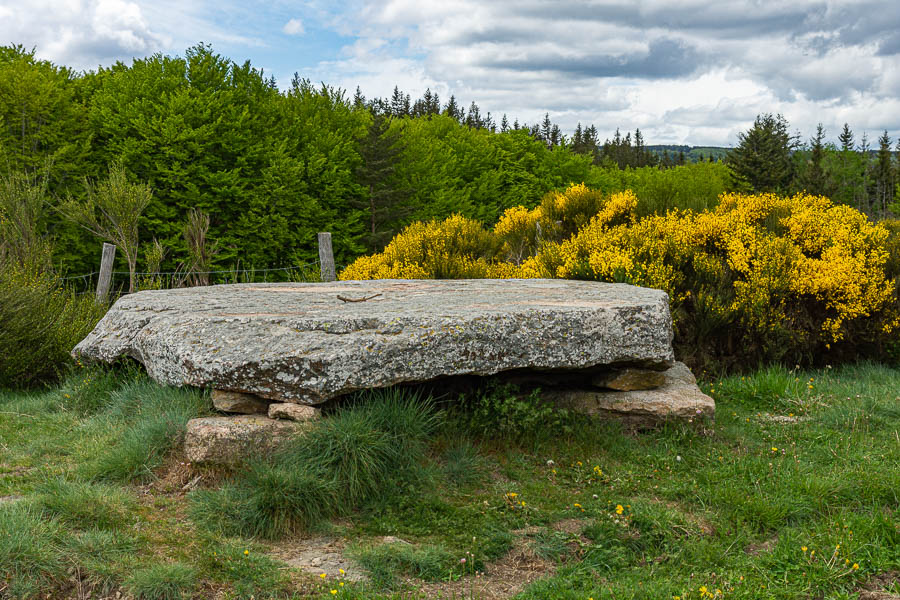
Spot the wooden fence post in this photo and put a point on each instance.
(106, 267)
(326, 257)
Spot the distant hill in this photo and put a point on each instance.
(691, 153)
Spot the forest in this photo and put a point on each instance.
(271, 167)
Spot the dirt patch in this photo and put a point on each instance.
(14, 471)
(319, 555)
(875, 588)
(501, 579)
(785, 419)
(757, 549)
(570, 526)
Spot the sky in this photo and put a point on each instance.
(683, 71)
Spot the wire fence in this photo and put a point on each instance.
(86, 283)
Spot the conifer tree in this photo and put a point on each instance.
(813, 177)
(883, 175)
(504, 124)
(763, 156)
(359, 101)
(473, 117)
(846, 139)
(387, 205)
(453, 109)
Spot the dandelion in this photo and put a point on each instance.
(342, 572)
(855, 566)
(246, 552)
(774, 449)
(803, 548)
(333, 592)
(619, 509)
(323, 575)
(341, 584)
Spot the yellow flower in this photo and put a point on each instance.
(333, 592)
(342, 571)
(323, 575)
(855, 566)
(619, 509)
(246, 552)
(512, 494)
(803, 548)
(341, 584)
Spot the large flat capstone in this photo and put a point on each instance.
(304, 343)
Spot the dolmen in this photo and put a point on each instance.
(275, 352)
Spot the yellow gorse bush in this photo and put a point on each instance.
(779, 269)
(451, 249)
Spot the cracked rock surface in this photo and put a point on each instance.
(296, 342)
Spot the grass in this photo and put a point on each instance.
(793, 492)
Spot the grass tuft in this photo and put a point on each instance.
(162, 582)
(85, 505)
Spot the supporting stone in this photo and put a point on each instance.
(239, 402)
(678, 398)
(627, 380)
(229, 440)
(293, 412)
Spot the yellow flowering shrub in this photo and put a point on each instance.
(760, 274)
(451, 249)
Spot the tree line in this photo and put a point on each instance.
(231, 160)
(770, 158)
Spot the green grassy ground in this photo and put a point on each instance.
(793, 492)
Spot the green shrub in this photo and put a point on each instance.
(502, 410)
(40, 323)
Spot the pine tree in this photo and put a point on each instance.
(763, 156)
(473, 118)
(813, 177)
(359, 101)
(884, 175)
(381, 151)
(577, 142)
(846, 139)
(504, 124)
(546, 127)
(556, 136)
(453, 110)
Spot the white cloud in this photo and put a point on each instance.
(83, 34)
(294, 27)
(685, 72)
